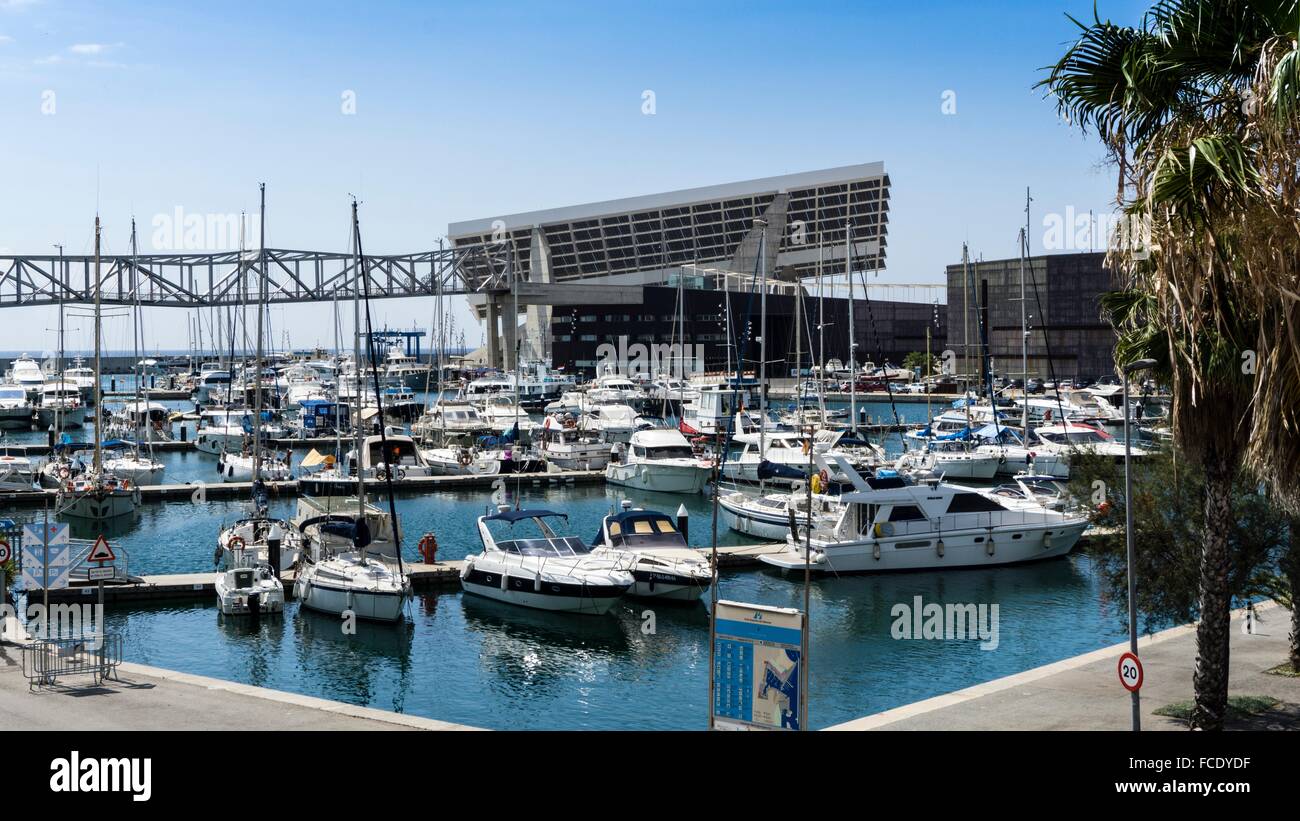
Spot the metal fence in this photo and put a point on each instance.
(46, 660)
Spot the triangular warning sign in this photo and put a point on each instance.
(101, 552)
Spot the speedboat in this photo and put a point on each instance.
(886, 524)
(548, 571)
(26, 373)
(663, 565)
(659, 460)
(247, 589)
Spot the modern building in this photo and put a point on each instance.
(1067, 335)
(602, 253)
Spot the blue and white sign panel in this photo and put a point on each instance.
(46, 546)
(758, 667)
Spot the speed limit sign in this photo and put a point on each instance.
(4, 552)
(1130, 672)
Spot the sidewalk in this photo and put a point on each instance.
(149, 698)
(1084, 693)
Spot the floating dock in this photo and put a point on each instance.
(424, 577)
(207, 491)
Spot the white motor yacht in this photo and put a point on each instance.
(767, 516)
(569, 444)
(659, 459)
(61, 406)
(26, 373)
(886, 524)
(546, 571)
(15, 408)
(17, 474)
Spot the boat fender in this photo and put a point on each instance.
(1047, 539)
(816, 484)
(537, 583)
(216, 558)
(464, 571)
(875, 550)
(505, 581)
(990, 548)
(939, 548)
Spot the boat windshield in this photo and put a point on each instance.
(558, 547)
(667, 452)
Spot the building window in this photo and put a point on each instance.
(566, 337)
(588, 337)
(587, 318)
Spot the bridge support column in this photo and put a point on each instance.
(493, 341)
(509, 332)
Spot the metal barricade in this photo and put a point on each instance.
(45, 660)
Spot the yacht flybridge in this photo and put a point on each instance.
(886, 524)
(546, 571)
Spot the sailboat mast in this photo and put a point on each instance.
(137, 336)
(356, 357)
(99, 363)
(762, 336)
(1024, 340)
(853, 345)
(261, 298)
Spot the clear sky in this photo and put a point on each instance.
(467, 111)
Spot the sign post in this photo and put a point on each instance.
(5, 553)
(99, 554)
(760, 658)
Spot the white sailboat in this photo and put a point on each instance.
(96, 494)
(355, 579)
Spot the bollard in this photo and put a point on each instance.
(185, 432)
(683, 522)
(112, 385)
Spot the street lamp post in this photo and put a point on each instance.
(1127, 370)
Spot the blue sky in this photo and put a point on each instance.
(487, 108)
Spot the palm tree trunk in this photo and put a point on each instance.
(1210, 680)
(1291, 567)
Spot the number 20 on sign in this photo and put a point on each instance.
(1130, 672)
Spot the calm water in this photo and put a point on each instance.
(463, 659)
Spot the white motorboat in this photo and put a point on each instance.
(15, 409)
(616, 421)
(1074, 437)
(546, 571)
(402, 457)
(569, 444)
(238, 467)
(450, 417)
(886, 524)
(401, 367)
(749, 451)
(17, 475)
(938, 460)
(246, 589)
(716, 408)
(570, 402)
(460, 460)
(137, 467)
(61, 406)
(663, 565)
(502, 412)
(659, 459)
(767, 516)
(141, 420)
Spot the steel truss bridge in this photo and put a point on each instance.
(231, 278)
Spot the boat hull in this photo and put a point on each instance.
(369, 605)
(658, 478)
(961, 549)
(591, 600)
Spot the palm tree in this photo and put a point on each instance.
(1198, 107)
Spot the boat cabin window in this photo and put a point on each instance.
(644, 531)
(671, 452)
(905, 513)
(972, 503)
